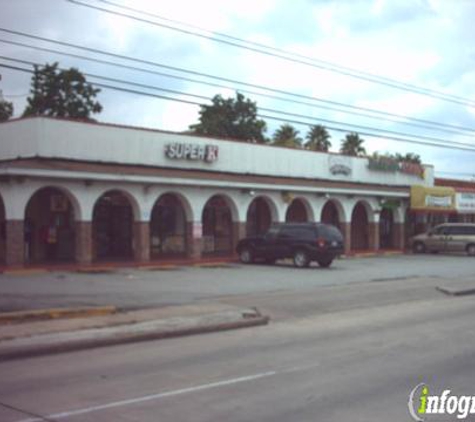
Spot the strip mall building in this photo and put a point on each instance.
(87, 192)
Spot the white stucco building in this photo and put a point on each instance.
(86, 192)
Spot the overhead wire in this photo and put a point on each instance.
(392, 116)
(307, 61)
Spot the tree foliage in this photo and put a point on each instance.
(6, 110)
(400, 158)
(409, 157)
(234, 118)
(61, 93)
(352, 145)
(287, 136)
(318, 139)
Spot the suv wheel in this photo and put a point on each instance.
(325, 263)
(245, 256)
(301, 259)
(418, 247)
(471, 249)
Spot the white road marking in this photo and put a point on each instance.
(64, 415)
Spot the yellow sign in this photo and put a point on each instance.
(432, 198)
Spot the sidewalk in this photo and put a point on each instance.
(40, 337)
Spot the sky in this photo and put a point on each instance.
(414, 44)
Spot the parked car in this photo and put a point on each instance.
(303, 242)
(449, 237)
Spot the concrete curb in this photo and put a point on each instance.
(456, 291)
(46, 344)
(55, 313)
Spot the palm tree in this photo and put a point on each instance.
(352, 145)
(287, 136)
(318, 139)
(410, 157)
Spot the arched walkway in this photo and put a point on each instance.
(3, 232)
(330, 214)
(112, 227)
(217, 227)
(386, 229)
(359, 228)
(296, 212)
(168, 227)
(259, 217)
(49, 227)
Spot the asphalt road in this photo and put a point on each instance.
(131, 289)
(355, 359)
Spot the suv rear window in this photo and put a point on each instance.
(330, 232)
(297, 233)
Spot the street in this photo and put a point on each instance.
(336, 349)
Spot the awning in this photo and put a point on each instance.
(433, 199)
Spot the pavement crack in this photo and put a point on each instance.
(36, 416)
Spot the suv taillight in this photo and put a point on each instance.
(321, 242)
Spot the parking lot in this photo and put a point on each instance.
(138, 288)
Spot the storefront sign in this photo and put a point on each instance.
(438, 201)
(340, 165)
(193, 152)
(390, 165)
(432, 198)
(465, 202)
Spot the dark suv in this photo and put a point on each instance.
(303, 242)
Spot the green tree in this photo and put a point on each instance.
(409, 157)
(318, 139)
(61, 93)
(352, 145)
(287, 136)
(6, 110)
(234, 118)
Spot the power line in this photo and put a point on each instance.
(394, 137)
(276, 49)
(240, 90)
(307, 61)
(394, 117)
(348, 126)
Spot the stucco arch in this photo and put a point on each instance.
(185, 203)
(270, 203)
(342, 217)
(72, 198)
(230, 202)
(132, 199)
(259, 219)
(369, 206)
(307, 206)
